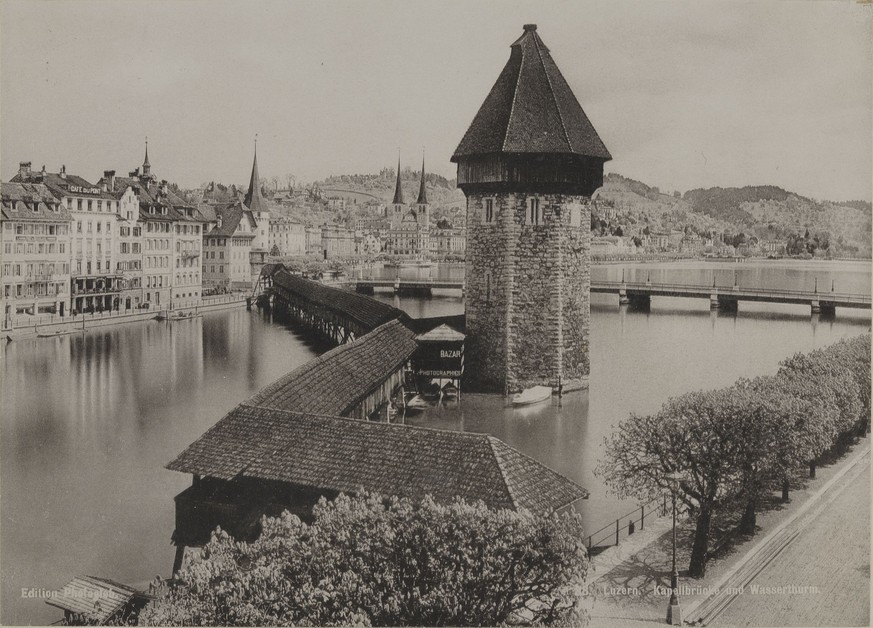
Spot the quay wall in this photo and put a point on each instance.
(57, 326)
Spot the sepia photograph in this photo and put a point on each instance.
(435, 313)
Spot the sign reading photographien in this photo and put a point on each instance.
(78, 189)
(440, 359)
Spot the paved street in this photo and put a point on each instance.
(832, 535)
(837, 543)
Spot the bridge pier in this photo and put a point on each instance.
(727, 304)
(413, 291)
(639, 301)
(823, 307)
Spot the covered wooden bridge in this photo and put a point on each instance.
(334, 314)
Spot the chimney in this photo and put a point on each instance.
(43, 171)
(219, 221)
(164, 187)
(24, 170)
(64, 171)
(109, 177)
(134, 173)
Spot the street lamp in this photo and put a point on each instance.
(674, 611)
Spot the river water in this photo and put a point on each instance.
(89, 420)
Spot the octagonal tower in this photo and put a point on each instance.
(528, 165)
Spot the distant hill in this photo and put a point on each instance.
(765, 212)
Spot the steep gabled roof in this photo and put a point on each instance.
(338, 454)
(531, 109)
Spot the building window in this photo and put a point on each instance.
(534, 212)
(90, 205)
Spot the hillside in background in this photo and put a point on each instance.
(762, 212)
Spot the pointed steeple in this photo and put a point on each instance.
(398, 190)
(422, 190)
(146, 166)
(254, 200)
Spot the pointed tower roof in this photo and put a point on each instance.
(422, 191)
(146, 166)
(398, 190)
(531, 109)
(254, 200)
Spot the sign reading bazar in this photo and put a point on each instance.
(439, 359)
(78, 189)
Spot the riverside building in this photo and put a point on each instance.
(35, 251)
(528, 165)
(169, 231)
(96, 284)
(129, 241)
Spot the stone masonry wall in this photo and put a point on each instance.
(527, 294)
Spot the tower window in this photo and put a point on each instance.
(534, 212)
(575, 215)
(489, 210)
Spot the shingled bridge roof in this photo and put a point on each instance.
(337, 381)
(347, 455)
(531, 109)
(366, 311)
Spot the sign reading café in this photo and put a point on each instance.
(78, 189)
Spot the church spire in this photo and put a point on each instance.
(146, 166)
(422, 190)
(398, 190)
(253, 199)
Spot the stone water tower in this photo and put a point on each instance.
(528, 165)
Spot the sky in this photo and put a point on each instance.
(684, 94)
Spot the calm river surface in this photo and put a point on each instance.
(89, 421)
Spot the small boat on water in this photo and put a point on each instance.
(417, 403)
(431, 392)
(450, 390)
(532, 395)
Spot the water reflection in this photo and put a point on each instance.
(89, 420)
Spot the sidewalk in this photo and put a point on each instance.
(632, 586)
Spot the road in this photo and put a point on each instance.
(824, 573)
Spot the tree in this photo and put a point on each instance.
(695, 434)
(371, 561)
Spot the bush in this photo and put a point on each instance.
(370, 561)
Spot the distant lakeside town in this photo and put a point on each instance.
(139, 243)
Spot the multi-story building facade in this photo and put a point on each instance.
(34, 252)
(337, 241)
(448, 242)
(129, 241)
(188, 251)
(227, 248)
(287, 236)
(313, 241)
(96, 284)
